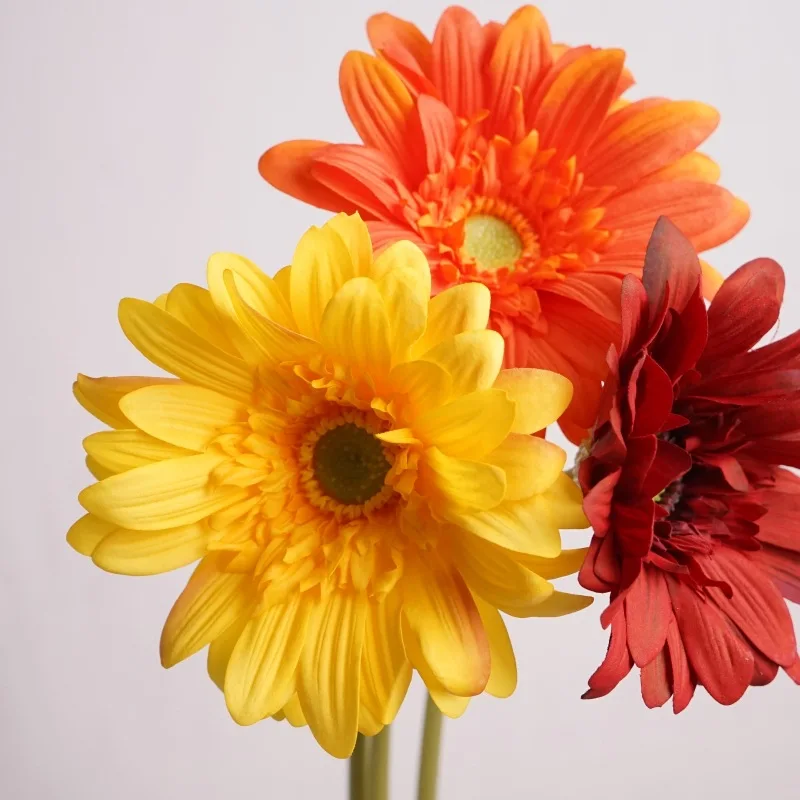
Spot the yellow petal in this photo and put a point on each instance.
(440, 610)
(473, 359)
(567, 563)
(260, 678)
(421, 385)
(127, 552)
(470, 426)
(564, 503)
(460, 484)
(211, 602)
(354, 233)
(455, 310)
(294, 713)
(322, 264)
(449, 704)
(163, 495)
(258, 290)
(193, 306)
(121, 450)
(87, 533)
(184, 415)
(521, 526)
(355, 327)
(562, 603)
(219, 652)
(271, 341)
(403, 278)
(503, 677)
(282, 280)
(368, 724)
(385, 669)
(170, 345)
(531, 464)
(329, 674)
(541, 396)
(495, 574)
(97, 470)
(101, 396)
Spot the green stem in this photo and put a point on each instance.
(359, 766)
(429, 757)
(379, 766)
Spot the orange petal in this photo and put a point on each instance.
(706, 214)
(362, 175)
(691, 167)
(379, 105)
(644, 137)
(438, 126)
(576, 104)
(287, 166)
(521, 56)
(458, 46)
(385, 233)
(401, 41)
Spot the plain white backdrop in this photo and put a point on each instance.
(129, 136)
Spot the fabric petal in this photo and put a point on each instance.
(119, 451)
(87, 533)
(328, 679)
(394, 36)
(166, 494)
(101, 396)
(457, 483)
(260, 678)
(470, 426)
(503, 676)
(212, 601)
(649, 612)
(459, 309)
(193, 306)
(181, 414)
(472, 359)
(169, 344)
(540, 396)
(288, 167)
(532, 465)
(127, 552)
(440, 610)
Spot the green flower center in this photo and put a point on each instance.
(491, 242)
(350, 464)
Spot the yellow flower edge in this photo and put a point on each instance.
(352, 469)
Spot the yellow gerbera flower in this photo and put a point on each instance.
(352, 468)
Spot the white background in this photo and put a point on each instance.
(129, 136)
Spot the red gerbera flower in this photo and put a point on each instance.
(515, 162)
(696, 526)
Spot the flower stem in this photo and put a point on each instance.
(379, 766)
(359, 766)
(429, 757)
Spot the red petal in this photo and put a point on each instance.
(648, 611)
(721, 660)
(746, 306)
(668, 465)
(653, 398)
(634, 312)
(655, 681)
(783, 566)
(764, 671)
(616, 665)
(756, 605)
(598, 502)
(683, 683)
(670, 259)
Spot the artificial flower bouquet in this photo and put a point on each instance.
(354, 451)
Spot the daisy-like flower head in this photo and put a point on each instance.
(514, 162)
(696, 531)
(353, 469)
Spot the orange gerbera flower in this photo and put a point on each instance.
(515, 162)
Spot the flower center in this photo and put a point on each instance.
(491, 242)
(350, 464)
